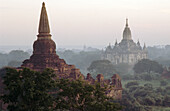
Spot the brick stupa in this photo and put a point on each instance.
(44, 52)
(44, 56)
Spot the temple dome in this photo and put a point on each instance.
(43, 46)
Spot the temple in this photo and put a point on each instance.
(127, 51)
(44, 52)
(44, 56)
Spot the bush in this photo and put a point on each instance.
(147, 76)
(128, 77)
(132, 83)
(146, 65)
(149, 101)
(163, 83)
(166, 101)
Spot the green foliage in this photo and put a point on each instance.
(149, 101)
(28, 90)
(18, 55)
(146, 65)
(142, 76)
(138, 97)
(163, 83)
(78, 95)
(102, 66)
(14, 63)
(132, 83)
(124, 68)
(166, 101)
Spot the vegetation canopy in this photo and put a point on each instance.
(27, 90)
(146, 65)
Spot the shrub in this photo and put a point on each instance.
(132, 83)
(163, 83)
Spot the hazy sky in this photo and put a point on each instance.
(86, 22)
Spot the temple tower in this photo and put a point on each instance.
(44, 48)
(127, 32)
(127, 51)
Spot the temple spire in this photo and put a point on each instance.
(138, 43)
(144, 47)
(126, 22)
(44, 29)
(116, 42)
(127, 32)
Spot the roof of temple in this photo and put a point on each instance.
(127, 32)
(127, 44)
(44, 28)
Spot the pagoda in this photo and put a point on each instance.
(127, 51)
(44, 56)
(44, 52)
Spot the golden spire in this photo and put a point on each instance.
(44, 29)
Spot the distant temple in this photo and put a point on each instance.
(44, 56)
(127, 51)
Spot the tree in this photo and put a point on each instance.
(18, 55)
(124, 68)
(14, 55)
(77, 95)
(166, 101)
(163, 83)
(146, 65)
(102, 66)
(131, 83)
(14, 63)
(81, 59)
(28, 90)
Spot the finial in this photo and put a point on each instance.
(44, 29)
(138, 42)
(43, 4)
(126, 22)
(116, 42)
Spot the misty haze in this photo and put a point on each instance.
(85, 55)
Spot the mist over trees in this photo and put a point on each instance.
(80, 59)
(160, 54)
(83, 59)
(146, 65)
(13, 58)
(147, 91)
(106, 68)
